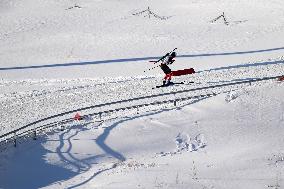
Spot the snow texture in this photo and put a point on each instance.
(59, 56)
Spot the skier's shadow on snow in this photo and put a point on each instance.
(139, 59)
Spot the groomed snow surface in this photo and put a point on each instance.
(57, 56)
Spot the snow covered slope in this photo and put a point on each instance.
(56, 39)
(57, 56)
(229, 141)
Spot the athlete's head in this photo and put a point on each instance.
(173, 54)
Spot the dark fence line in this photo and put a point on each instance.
(34, 132)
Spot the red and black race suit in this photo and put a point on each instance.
(166, 69)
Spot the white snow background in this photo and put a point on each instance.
(61, 55)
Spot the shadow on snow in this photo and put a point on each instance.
(245, 66)
(133, 60)
(27, 166)
(101, 139)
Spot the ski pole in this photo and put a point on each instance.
(161, 59)
(152, 68)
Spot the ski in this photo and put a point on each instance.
(169, 84)
(173, 83)
(190, 82)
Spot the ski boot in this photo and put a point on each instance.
(169, 82)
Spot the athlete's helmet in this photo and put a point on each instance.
(173, 54)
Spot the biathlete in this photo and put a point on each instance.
(169, 59)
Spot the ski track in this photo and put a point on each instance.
(51, 97)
